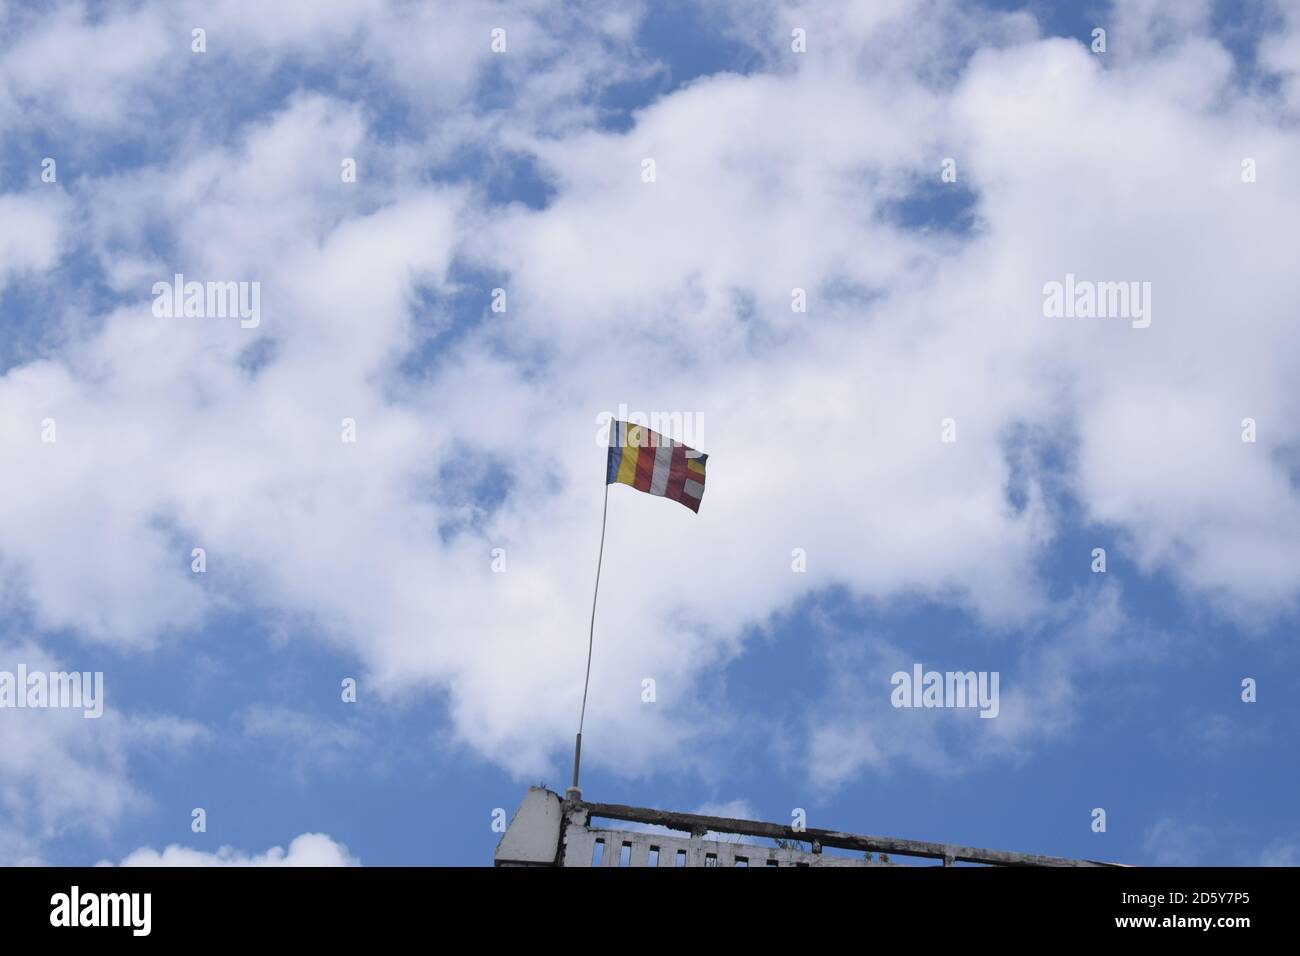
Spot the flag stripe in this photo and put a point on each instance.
(663, 459)
(676, 473)
(627, 464)
(645, 467)
(615, 451)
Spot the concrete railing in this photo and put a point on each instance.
(550, 831)
(596, 846)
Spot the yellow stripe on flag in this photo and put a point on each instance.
(631, 448)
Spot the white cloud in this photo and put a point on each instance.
(854, 727)
(308, 849)
(731, 809)
(823, 428)
(85, 70)
(31, 232)
(1173, 842)
(62, 773)
(132, 66)
(1279, 53)
(1281, 853)
(304, 742)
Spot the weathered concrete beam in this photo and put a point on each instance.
(697, 825)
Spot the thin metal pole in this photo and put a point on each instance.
(591, 634)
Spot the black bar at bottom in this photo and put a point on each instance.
(303, 906)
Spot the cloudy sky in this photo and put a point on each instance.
(795, 146)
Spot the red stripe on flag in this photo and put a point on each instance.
(645, 466)
(676, 473)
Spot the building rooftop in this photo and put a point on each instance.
(550, 830)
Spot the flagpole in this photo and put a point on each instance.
(575, 792)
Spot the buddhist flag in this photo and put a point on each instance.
(650, 462)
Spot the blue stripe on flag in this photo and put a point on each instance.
(615, 451)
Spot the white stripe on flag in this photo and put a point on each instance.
(693, 489)
(663, 458)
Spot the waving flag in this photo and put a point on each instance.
(652, 463)
(648, 462)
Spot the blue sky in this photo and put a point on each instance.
(522, 170)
